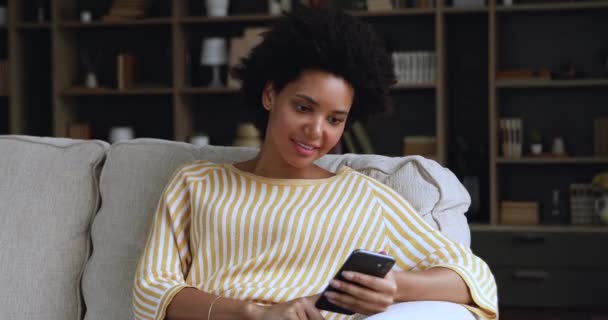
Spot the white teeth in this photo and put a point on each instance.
(304, 146)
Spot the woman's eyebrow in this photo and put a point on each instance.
(307, 98)
(316, 104)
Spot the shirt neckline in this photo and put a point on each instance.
(280, 181)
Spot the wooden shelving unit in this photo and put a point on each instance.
(174, 35)
(505, 95)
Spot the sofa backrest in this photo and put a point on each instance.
(48, 198)
(135, 175)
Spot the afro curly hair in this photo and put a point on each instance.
(321, 39)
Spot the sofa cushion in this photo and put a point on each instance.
(135, 175)
(49, 195)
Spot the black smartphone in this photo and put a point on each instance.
(362, 261)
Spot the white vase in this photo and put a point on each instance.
(217, 8)
(121, 134)
(536, 148)
(90, 80)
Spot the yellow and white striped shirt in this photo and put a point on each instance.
(226, 231)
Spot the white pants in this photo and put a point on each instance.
(424, 310)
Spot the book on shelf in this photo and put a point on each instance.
(511, 137)
(425, 146)
(79, 131)
(582, 203)
(519, 212)
(379, 5)
(349, 142)
(362, 138)
(3, 77)
(414, 67)
(125, 10)
(125, 70)
(600, 137)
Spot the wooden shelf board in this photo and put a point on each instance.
(553, 6)
(117, 23)
(540, 228)
(228, 19)
(417, 86)
(114, 92)
(547, 83)
(34, 25)
(267, 18)
(553, 160)
(208, 90)
(395, 12)
(466, 10)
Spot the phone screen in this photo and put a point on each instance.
(362, 261)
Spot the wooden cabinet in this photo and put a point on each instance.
(559, 268)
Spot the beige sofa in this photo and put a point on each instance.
(75, 215)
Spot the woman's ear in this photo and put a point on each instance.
(268, 96)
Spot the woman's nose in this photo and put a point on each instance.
(314, 128)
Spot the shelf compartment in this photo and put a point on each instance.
(80, 91)
(34, 26)
(466, 10)
(242, 18)
(587, 5)
(414, 86)
(208, 90)
(395, 12)
(117, 23)
(553, 160)
(547, 83)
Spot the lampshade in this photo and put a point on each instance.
(213, 52)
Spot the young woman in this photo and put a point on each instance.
(262, 238)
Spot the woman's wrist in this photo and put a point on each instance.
(253, 311)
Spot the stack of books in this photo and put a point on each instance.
(519, 212)
(582, 203)
(414, 67)
(126, 9)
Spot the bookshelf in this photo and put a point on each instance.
(168, 87)
(520, 38)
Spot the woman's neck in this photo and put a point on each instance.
(265, 165)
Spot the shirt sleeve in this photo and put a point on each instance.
(166, 257)
(417, 246)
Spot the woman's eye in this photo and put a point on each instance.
(335, 121)
(302, 108)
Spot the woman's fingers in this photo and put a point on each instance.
(371, 282)
(353, 304)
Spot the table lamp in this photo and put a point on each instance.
(213, 53)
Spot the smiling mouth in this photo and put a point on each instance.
(305, 146)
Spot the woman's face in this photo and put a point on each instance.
(307, 117)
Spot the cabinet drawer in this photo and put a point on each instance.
(524, 287)
(541, 249)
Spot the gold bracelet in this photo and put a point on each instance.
(211, 306)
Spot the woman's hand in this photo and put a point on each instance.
(369, 295)
(298, 309)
